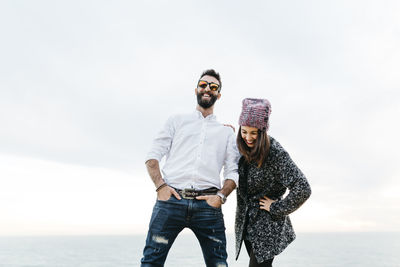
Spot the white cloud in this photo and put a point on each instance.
(44, 197)
(84, 90)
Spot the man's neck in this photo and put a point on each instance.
(205, 111)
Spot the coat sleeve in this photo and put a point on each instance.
(291, 177)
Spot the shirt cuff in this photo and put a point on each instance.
(152, 156)
(232, 176)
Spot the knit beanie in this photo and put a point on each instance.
(255, 113)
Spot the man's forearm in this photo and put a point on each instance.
(153, 168)
(229, 186)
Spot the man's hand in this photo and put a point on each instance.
(212, 200)
(265, 203)
(229, 125)
(165, 193)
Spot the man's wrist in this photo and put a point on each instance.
(159, 183)
(161, 186)
(222, 196)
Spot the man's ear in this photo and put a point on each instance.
(219, 96)
(195, 91)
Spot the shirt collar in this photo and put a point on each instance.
(200, 116)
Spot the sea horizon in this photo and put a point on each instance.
(322, 249)
(184, 232)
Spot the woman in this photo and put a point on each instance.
(265, 172)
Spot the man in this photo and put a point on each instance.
(189, 192)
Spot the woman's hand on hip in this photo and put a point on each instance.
(265, 203)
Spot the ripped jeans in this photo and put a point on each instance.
(170, 217)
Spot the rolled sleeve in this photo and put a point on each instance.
(231, 160)
(162, 142)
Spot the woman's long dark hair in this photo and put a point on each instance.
(259, 152)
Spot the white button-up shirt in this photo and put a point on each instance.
(196, 149)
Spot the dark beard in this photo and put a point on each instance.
(206, 103)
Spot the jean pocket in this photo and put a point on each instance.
(171, 198)
(208, 205)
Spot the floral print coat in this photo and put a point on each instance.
(268, 232)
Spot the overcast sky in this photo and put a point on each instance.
(86, 85)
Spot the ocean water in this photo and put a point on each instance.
(308, 250)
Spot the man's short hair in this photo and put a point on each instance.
(213, 73)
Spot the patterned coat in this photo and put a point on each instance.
(268, 232)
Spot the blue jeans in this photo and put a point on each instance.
(170, 217)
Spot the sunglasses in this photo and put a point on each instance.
(213, 86)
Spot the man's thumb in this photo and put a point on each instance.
(176, 194)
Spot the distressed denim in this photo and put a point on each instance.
(170, 217)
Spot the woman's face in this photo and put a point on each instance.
(249, 135)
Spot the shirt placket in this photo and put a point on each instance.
(199, 152)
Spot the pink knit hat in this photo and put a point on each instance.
(255, 113)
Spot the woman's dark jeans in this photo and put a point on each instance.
(170, 217)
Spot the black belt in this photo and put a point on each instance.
(189, 193)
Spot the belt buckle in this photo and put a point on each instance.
(187, 193)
